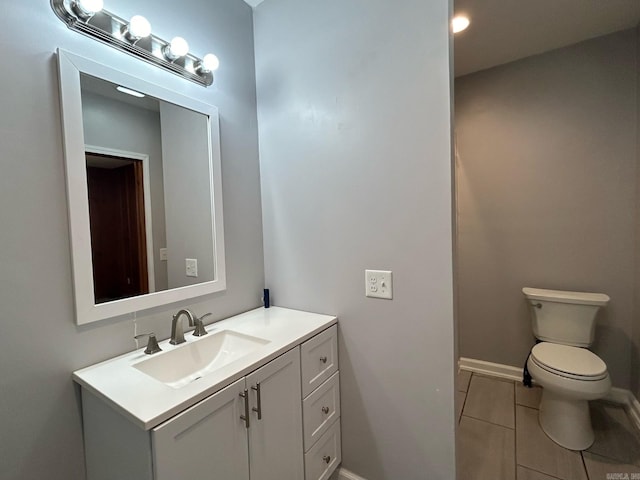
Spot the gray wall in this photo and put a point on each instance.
(354, 115)
(546, 194)
(39, 343)
(186, 166)
(111, 124)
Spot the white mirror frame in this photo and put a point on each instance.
(70, 67)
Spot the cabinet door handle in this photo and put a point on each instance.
(258, 399)
(327, 459)
(323, 359)
(245, 417)
(325, 410)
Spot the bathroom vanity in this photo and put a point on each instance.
(256, 398)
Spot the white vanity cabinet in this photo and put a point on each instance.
(207, 439)
(321, 404)
(211, 440)
(278, 418)
(275, 426)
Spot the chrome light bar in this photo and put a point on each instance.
(108, 28)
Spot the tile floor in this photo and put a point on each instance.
(499, 437)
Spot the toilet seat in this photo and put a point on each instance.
(569, 362)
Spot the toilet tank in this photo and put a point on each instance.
(568, 318)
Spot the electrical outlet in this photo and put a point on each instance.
(192, 267)
(378, 284)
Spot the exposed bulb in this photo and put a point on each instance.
(128, 91)
(139, 27)
(87, 8)
(178, 47)
(459, 23)
(210, 63)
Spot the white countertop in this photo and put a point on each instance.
(149, 402)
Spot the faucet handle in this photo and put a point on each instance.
(200, 330)
(152, 343)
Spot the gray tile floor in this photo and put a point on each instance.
(499, 437)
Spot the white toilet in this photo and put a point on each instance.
(569, 374)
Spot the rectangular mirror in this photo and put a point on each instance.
(144, 191)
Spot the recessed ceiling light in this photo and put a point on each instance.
(128, 91)
(459, 23)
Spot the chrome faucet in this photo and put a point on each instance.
(177, 332)
(200, 330)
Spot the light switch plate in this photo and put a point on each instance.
(192, 267)
(378, 284)
(163, 254)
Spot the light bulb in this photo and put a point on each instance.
(459, 23)
(209, 63)
(178, 47)
(128, 91)
(139, 27)
(87, 8)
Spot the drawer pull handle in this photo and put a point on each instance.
(258, 399)
(327, 459)
(323, 359)
(325, 410)
(245, 417)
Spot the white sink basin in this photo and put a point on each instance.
(191, 361)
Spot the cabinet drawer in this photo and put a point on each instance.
(325, 455)
(320, 410)
(319, 357)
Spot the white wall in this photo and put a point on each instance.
(354, 116)
(185, 141)
(546, 195)
(39, 343)
(111, 124)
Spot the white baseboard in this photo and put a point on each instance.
(619, 396)
(344, 474)
(634, 409)
(492, 369)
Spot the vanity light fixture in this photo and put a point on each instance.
(86, 8)
(135, 38)
(209, 63)
(128, 91)
(138, 28)
(177, 47)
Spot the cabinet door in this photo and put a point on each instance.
(275, 439)
(206, 441)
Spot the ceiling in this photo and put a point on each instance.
(502, 31)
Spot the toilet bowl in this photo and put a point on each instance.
(570, 377)
(569, 374)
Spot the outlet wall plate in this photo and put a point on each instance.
(191, 267)
(378, 284)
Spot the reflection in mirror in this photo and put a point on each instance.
(144, 192)
(138, 148)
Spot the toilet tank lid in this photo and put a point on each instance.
(562, 296)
